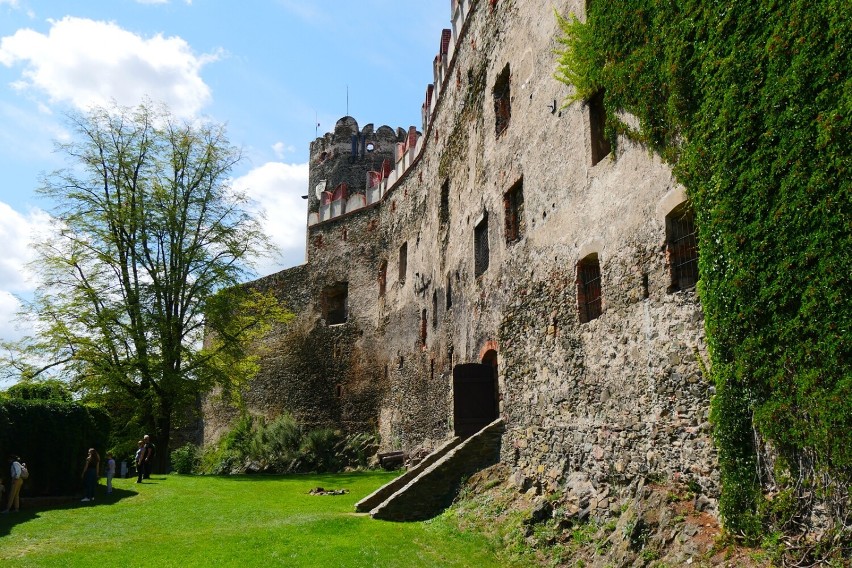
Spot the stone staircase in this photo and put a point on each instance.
(428, 488)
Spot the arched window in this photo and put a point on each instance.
(589, 288)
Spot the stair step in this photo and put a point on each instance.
(430, 489)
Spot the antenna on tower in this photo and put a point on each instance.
(316, 128)
(347, 100)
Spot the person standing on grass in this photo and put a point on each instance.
(91, 470)
(110, 471)
(142, 459)
(150, 449)
(17, 481)
(138, 459)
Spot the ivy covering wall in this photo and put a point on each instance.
(751, 102)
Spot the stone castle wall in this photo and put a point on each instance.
(609, 400)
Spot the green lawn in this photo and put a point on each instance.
(233, 521)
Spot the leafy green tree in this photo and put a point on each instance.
(150, 243)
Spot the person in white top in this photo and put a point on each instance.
(17, 481)
(110, 471)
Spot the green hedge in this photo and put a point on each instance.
(752, 104)
(52, 437)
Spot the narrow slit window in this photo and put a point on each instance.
(682, 248)
(403, 262)
(434, 309)
(383, 278)
(480, 247)
(444, 209)
(589, 288)
(424, 326)
(597, 128)
(502, 102)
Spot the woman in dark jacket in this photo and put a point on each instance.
(90, 475)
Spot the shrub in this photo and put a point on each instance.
(52, 437)
(285, 446)
(185, 459)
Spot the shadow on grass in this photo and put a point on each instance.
(32, 506)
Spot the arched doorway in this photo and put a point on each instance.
(475, 395)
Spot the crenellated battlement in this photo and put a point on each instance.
(351, 168)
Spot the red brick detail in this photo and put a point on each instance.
(486, 347)
(341, 192)
(445, 41)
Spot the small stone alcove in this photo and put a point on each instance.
(335, 305)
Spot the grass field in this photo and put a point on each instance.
(233, 521)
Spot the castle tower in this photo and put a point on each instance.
(348, 166)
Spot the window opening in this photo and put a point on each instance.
(589, 288)
(434, 309)
(383, 278)
(502, 102)
(403, 262)
(423, 327)
(444, 209)
(480, 247)
(597, 128)
(449, 291)
(682, 248)
(513, 204)
(334, 303)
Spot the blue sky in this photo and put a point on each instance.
(269, 69)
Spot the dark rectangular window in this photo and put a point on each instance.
(335, 307)
(589, 288)
(434, 309)
(444, 208)
(597, 128)
(513, 204)
(383, 277)
(403, 262)
(502, 102)
(424, 325)
(682, 248)
(480, 247)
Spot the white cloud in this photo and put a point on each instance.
(88, 62)
(12, 3)
(282, 149)
(17, 233)
(277, 189)
(9, 306)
